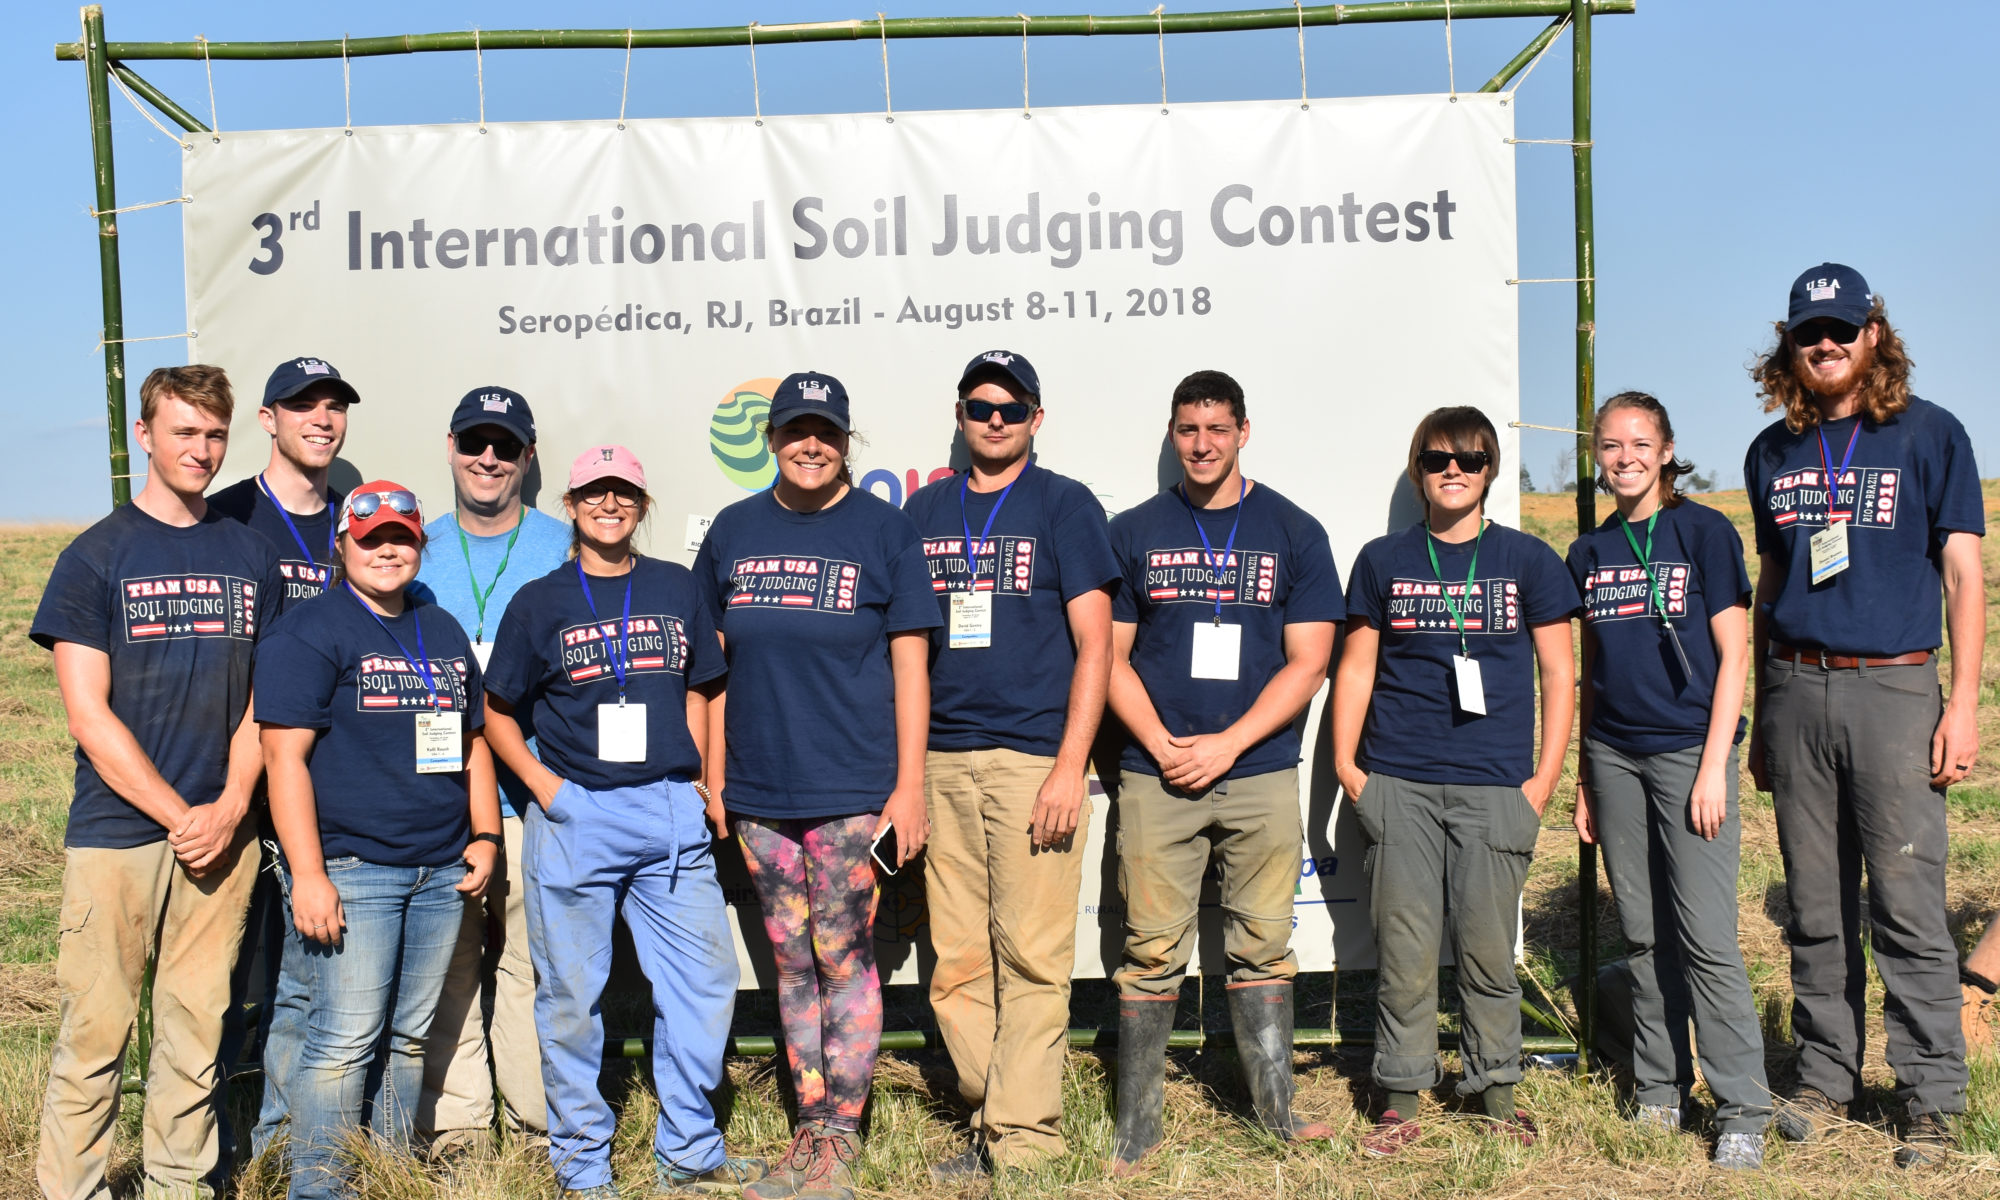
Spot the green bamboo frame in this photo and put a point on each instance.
(103, 59)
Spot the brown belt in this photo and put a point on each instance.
(1846, 662)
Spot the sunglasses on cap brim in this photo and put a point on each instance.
(364, 505)
(1472, 462)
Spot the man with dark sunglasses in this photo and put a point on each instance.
(1869, 520)
(479, 555)
(1022, 569)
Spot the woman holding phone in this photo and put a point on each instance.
(613, 660)
(825, 605)
(384, 800)
(1451, 624)
(1665, 651)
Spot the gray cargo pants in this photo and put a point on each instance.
(1677, 905)
(1849, 756)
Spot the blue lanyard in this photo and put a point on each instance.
(331, 525)
(971, 560)
(423, 664)
(1833, 477)
(618, 655)
(1208, 551)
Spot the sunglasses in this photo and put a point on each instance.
(473, 443)
(1812, 333)
(1472, 462)
(1014, 412)
(595, 494)
(366, 504)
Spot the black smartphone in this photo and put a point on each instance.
(885, 849)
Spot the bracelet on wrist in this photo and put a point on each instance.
(701, 789)
(490, 837)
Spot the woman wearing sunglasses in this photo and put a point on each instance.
(1451, 623)
(825, 607)
(615, 658)
(383, 797)
(1665, 653)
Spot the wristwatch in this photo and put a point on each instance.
(490, 837)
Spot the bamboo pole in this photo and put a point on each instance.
(1520, 61)
(157, 98)
(1146, 24)
(1586, 470)
(99, 86)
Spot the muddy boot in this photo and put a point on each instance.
(1143, 1025)
(1262, 1015)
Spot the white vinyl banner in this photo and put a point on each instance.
(1347, 263)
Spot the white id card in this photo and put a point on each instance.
(971, 620)
(1829, 552)
(483, 651)
(1217, 649)
(1471, 692)
(621, 732)
(439, 751)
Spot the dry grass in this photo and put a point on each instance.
(1587, 1150)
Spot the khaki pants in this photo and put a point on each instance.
(1003, 922)
(120, 908)
(459, 1075)
(1251, 827)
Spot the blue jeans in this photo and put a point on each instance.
(382, 979)
(645, 852)
(284, 1020)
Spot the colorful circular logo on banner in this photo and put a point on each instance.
(736, 435)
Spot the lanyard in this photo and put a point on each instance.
(1645, 558)
(1833, 477)
(1207, 550)
(330, 526)
(478, 597)
(423, 664)
(971, 561)
(1457, 613)
(617, 656)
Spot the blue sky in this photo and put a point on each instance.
(1737, 143)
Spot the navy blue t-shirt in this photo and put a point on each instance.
(1642, 702)
(306, 569)
(179, 611)
(805, 603)
(1048, 546)
(1415, 730)
(1280, 573)
(1911, 482)
(555, 659)
(332, 668)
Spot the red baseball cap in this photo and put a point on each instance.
(373, 505)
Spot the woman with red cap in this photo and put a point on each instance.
(612, 659)
(383, 796)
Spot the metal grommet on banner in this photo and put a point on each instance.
(756, 92)
(888, 103)
(1026, 114)
(1160, 22)
(479, 61)
(214, 125)
(1298, 6)
(625, 88)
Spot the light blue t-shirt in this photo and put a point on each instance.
(445, 581)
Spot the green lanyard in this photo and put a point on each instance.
(1457, 613)
(479, 597)
(1645, 558)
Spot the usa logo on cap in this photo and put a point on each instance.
(313, 366)
(495, 402)
(999, 356)
(812, 391)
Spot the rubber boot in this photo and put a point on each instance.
(1143, 1025)
(1262, 1015)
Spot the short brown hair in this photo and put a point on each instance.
(1884, 393)
(1460, 427)
(205, 387)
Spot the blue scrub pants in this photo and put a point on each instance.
(645, 852)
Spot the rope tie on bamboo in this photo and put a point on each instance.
(1026, 113)
(346, 89)
(147, 113)
(1450, 67)
(756, 92)
(888, 104)
(625, 88)
(1523, 77)
(1298, 6)
(479, 63)
(112, 212)
(1160, 21)
(1584, 279)
(103, 341)
(214, 125)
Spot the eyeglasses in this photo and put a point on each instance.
(364, 505)
(595, 494)
(1014, 412)
(472, 444)
(1812, 333)
(1472, 462)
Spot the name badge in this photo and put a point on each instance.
(1471, 692)
(621, 732)
(483, 651)
(1217, 649)
(439, 750)
(971, 626)
(1829, 552)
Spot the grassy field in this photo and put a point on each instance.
(1586, 1150)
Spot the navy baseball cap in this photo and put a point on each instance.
(1830, 290)
(297, 374)
(1007, 365)
(810, 393)
(495, 406)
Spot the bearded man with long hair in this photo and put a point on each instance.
(1868, 517)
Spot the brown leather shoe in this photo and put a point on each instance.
(1976, 1019)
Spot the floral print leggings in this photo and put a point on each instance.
(816, 882)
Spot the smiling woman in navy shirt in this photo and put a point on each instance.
(384, 799)
(1450, 622)
(825, 608)
(1666, 648)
